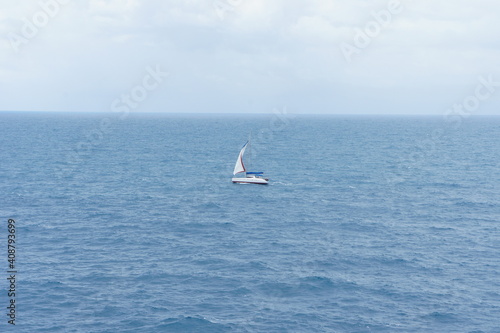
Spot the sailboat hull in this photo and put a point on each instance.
(250, 180)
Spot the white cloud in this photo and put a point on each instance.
(316, 29)
(287, 52)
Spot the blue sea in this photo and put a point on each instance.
(130, 223)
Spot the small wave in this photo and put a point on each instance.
(306, 286)
(109, 311)
(210, 206)
(191, 324)
(447, 185)
(472, 204)
(440, 229)
(442, 317)
(280, 183)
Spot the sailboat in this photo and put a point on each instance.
(242, 176)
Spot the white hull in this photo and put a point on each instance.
(250, 180)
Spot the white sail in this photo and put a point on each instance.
(240, 167)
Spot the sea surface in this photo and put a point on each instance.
(130, 223)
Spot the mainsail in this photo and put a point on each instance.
(240, 167)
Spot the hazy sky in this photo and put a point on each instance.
(312, 56)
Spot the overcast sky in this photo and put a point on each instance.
(312, 56)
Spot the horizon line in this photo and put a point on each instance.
(131, 113)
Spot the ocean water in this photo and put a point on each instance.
(369, 224)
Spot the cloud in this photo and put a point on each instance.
(316, 29)
(257, 55)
